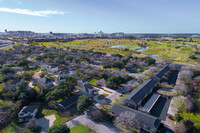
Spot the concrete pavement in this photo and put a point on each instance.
(99, 127)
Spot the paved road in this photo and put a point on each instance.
(99, 127)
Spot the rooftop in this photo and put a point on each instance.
(139, 93)
(142, 117)
(150, 103)
(30, 109)
(69, 101)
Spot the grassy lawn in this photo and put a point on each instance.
(61, 116)
(93, 82)
(81, 129)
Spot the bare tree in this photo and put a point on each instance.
(182, 103)
(126, 119)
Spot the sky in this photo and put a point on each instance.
(89, 16)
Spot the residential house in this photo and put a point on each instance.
(68, 102)
(135, 98)
(44, 67)
(82, 83)
(73, 72)
(87, 90)
(63, 73)
(60, 79)
(27, 113)
(143, 120)
(101, 82)
(52, 69)
(45, 82)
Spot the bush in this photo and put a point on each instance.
(61, 128)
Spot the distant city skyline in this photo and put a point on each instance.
(109, 16)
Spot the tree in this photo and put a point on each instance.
(62, 90)
(104, 74)
(182, 103)
(61, 128)
(126, 119)
(6, 70)
(115, 81)
(83, 103)
(23, 62)
(22, 85)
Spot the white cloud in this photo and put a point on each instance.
(44, 13)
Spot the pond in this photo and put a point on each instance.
(142, 49)
(118, 46)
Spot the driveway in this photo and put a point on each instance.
(46, 122)
(99, 127)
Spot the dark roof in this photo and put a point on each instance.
(160, 108)
(45, 80)
(141, 117)
(87, 86)
(73, 69)
(83, 80)
(139, 93)
(162, 71)
(69, 101)
(30, 109)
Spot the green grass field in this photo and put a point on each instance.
(81, 129)
(171, 48)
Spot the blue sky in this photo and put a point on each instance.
(88, 16)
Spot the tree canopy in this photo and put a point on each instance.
(63, 89)
(61, 128)
(83, 103)
(115, 81)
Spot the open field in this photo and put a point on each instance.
(177, 49)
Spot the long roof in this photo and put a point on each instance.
(149, 104)
(139, 93)
(141, 117)
(162, 71)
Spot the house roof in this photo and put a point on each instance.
(141, 117)
(69, 101)
(149, 104)
(162, 71)
(88, 87)
(83, 80)
(30, 109)
(45, 80)
(139, 93)
(63, 72)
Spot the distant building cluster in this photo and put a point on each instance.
(28, 35)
